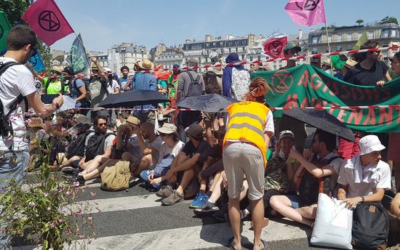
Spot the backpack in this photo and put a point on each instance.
(5, 123)
(195, 87)
(211, 83)
(98, 91)
(85, 103)
(310, 187)
(77, 146)
(240, 83)
(116, 178)
(95, 145)
(370, 226)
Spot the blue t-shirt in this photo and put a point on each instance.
(75, 84)
(145, 81)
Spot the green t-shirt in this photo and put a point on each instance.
(54, 87)
(172, 90)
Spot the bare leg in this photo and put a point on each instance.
(217, 176)
(283, 205)
(96, 173)
(257, 219)
(216, 194)
(70, 161)
(94, 164)
(145, 163)
(234, 216)
(309, 212)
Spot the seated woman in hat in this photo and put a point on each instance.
(169, 150)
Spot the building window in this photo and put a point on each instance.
(349, 37)
(242, 57)
(329, 39)
(393, 33)
(349, 47)
(229, 50)
(338, 38)
(370, 35)
(315, 40)
(385, 34)
(315, 50)
(251, 58)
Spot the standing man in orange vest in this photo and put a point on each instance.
(250, 127)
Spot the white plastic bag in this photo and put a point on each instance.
(333, 224)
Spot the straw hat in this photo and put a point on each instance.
(146, 64)
(36, 123)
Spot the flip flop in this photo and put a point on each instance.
(265, 244)
(232, 243)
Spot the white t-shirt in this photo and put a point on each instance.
(14, 81)
(165, 150)
(111, 88)
(362, 181)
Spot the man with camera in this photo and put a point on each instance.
(17, 93)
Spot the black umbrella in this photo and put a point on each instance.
(206, 103)
(133, 98)
(321, 120)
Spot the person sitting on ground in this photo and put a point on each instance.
(279, 171)
(169, 150)
(364, 178)
(150, 144)
(324, 163)
(98, 148)
(185, 168)
(76, 149)
(212, 166)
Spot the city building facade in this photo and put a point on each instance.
(169, 57)
(344, 38)
(125, 54)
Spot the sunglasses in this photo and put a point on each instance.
(102, 124)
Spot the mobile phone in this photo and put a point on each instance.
(48, 99)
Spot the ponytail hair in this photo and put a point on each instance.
(257, 89)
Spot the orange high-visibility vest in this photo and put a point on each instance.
(246, 123)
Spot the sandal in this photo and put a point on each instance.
(265, 244)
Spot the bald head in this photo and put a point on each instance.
(147, 130)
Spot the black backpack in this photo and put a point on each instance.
(195, 87)
(77, 146)
(310, 186)
(95, 145)
(5, 123)
(370, 226)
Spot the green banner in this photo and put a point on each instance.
(308, 86)
(4, 29)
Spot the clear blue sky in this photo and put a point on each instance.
(104, 23)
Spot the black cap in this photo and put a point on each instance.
(69, 70)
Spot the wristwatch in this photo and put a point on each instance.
(362, 199)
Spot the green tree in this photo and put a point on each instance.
(389, 19)
(360, 21)
(14, 10)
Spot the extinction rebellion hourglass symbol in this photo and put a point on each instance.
(49, 21)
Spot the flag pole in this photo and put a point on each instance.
(327, 38)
